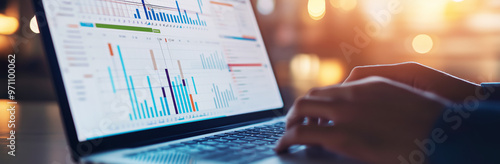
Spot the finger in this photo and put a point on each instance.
(396, 72)
(305, 135)
(310, 107)
(331, 92)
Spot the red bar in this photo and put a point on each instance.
(192, 102)
(220, 3)
(246, 65)
(110, 49)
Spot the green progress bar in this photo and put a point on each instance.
(129, 28)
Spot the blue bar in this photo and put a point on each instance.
(166, 104)
(179, 104)
(153, 13)
(152, 96)
(224, 94)
(199, 4)
(179, 10)
(130, 115)
(126, 79)
(239, 38)
(177, 20)
(138, 14)
(168, 18)
(196, 105)
(135, 96)
(147, 111)
(143, 113)
(158, 16)
(188, 99)
(161, 17)
(219, 97)
(112, 82)
(202, 61)
(215, 102)
(194, 85)
(145, 10)
(83, 24)
(216, 96)
(232, 92)
(152, 112)
(150, 17)
(135, 16)
(186, 17)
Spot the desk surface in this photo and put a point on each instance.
(39, 134)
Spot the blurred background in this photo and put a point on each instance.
(316, 42)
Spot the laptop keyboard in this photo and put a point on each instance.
(240, 146)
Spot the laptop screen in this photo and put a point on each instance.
(133, 65)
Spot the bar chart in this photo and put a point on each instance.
(214, 61)
(222, 98)
(181, 16)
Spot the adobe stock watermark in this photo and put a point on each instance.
(363, 35)
(11, 105)
(453, 116)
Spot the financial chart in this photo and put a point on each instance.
(131, 65)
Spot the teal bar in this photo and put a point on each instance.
(183, 97)
(112, 82)
(166, 104)
(188, 99)
(162, 105)
(135, 96)
(126, 79)
(147, 111)
(194, 85)
(179, 104)
(143, 112)
(152, 97)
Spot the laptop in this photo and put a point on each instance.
(165, 81)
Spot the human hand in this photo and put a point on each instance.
(375, 119)
(420, 77)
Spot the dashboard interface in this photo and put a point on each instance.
(132, 65)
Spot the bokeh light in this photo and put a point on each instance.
(316, 9)
(347, 5)
(266, 7)
(331, 72)
(422, 43)
(34, 25)
(8, 25)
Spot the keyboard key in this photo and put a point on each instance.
(239, 141)
(209, 143)
(248, 145)
(230, 138)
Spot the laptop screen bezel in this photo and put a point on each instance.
(133, 139)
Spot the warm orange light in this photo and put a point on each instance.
(304, 70)
(348, 5)
(8, 25)
(5, 117)
(331, 72)
(422, 43)
(316, 9)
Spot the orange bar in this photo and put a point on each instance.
(153, 58)
(110, 49)
(249, 37)
(220, 3)
(192, 103)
